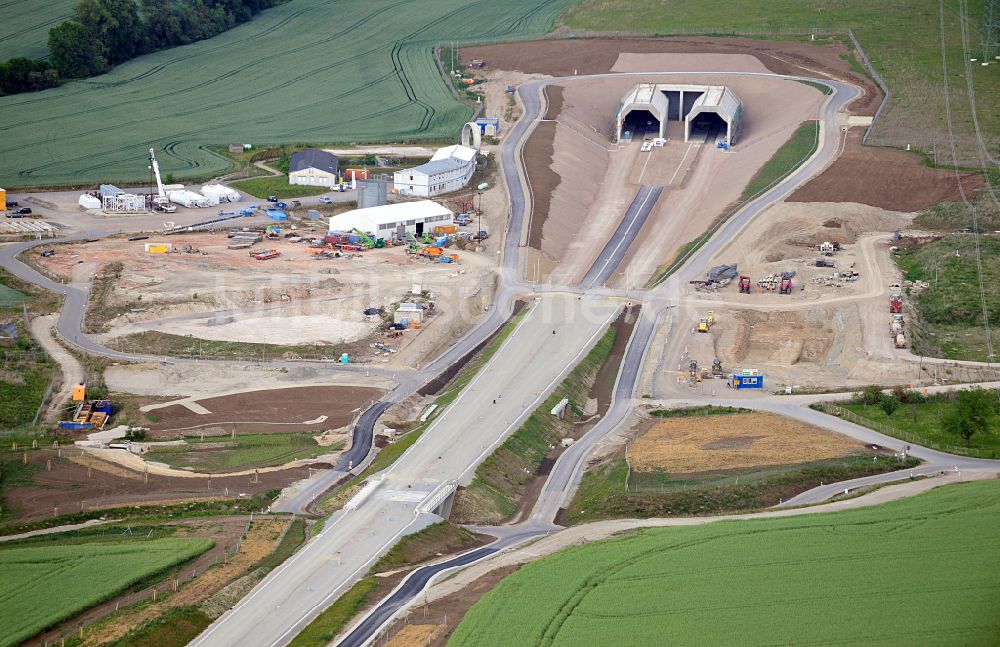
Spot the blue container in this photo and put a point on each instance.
(77, 426)
(748, 381)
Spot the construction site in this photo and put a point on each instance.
(801, 296)
(673, 228)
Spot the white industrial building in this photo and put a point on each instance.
(220, 193)
(313, 167)
(449, 169)
(647, 107)
(395, 219)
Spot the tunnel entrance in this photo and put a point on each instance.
(641, 123)
(708, 125)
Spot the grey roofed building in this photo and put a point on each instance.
(314, 158)
(441, 166)
(8, 333)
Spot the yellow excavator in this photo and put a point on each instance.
(706, 323)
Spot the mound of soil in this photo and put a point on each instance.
(538, 152)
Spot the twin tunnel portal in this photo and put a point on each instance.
(706, 110)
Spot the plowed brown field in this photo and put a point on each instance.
(887, 178)
(705, 444)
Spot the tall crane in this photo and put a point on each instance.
(160, 200)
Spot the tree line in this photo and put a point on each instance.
(103, 33)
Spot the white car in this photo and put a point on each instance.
(325, 200)
(659, 142)
(646, 147)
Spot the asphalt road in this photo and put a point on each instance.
(568, 469)
(617, 246)
(518, 377)
(505, 391)
(419, 579)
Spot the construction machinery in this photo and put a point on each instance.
(786, 284)
(370, 242)
(895, 303)
(744, 284)
(900, 340)
(693, 368)
(160, 200)
(717, 369)
(705, 323)
(412, 246)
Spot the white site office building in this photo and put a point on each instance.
(449, 169)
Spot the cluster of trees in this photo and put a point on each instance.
(972, 414)
(873, 396)
(21, 74)
(104, 33)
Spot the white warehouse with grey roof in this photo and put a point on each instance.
(449, 169)
(704, 109)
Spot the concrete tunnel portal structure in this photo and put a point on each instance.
(645, 109)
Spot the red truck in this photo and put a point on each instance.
(896, 303)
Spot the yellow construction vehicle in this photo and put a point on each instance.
(703, 324)
(710, 318)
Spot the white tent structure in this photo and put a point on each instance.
(188, 199)
(398, 218)
(88, 201)
(221, 193)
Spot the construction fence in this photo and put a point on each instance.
(889, 430)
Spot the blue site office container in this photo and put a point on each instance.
(747, 381)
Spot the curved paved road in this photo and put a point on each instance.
(568, 468)
(566, 471)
